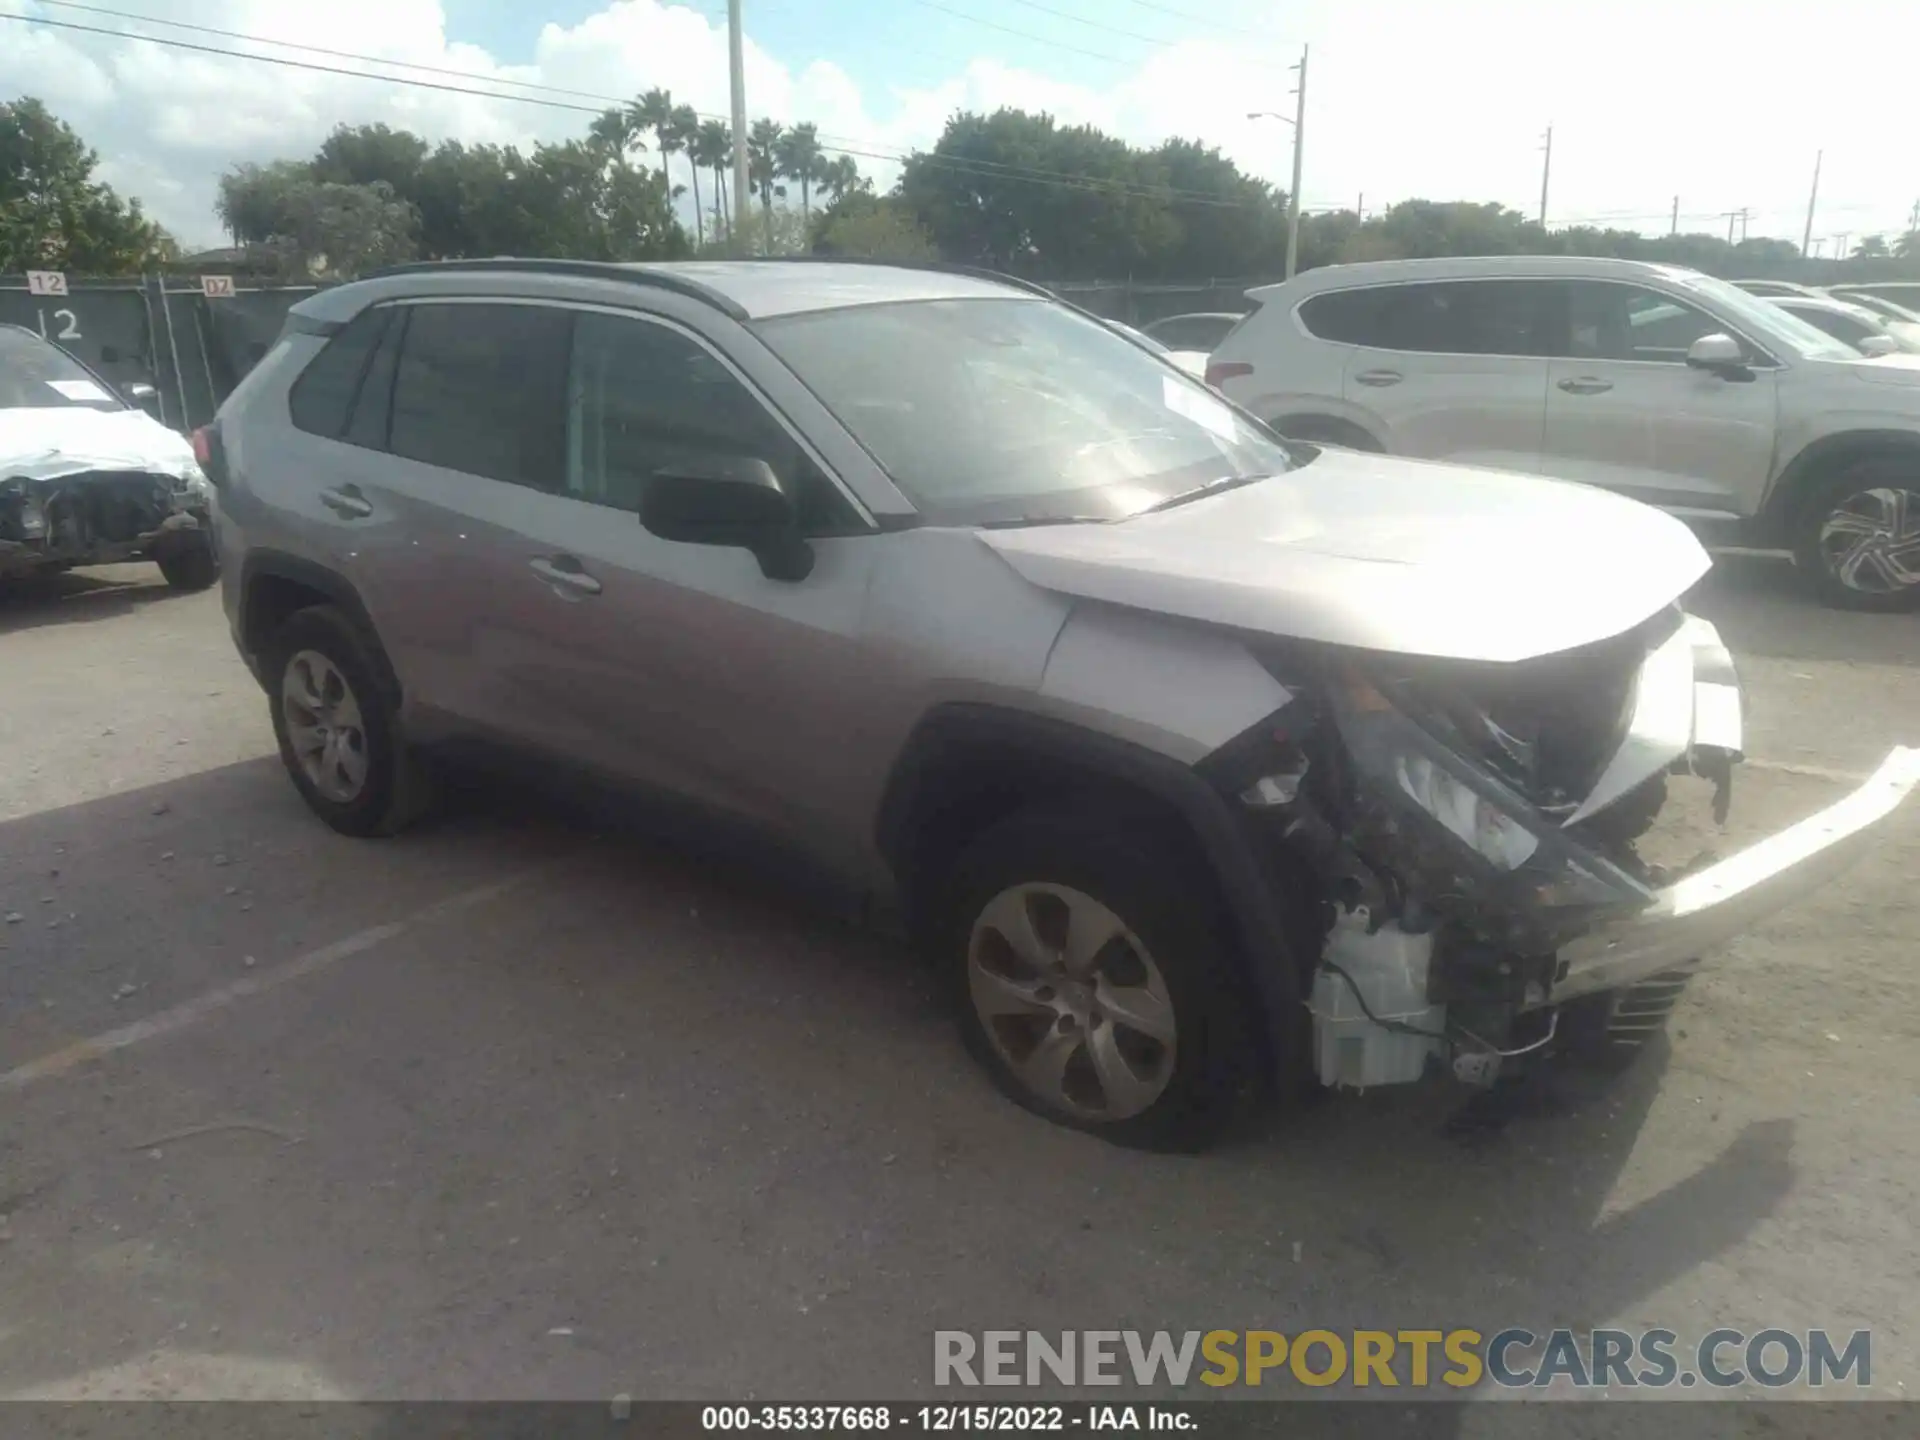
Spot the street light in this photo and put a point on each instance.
(1298, 121)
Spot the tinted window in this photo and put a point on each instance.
(1471, 317)
(481, 388)
(1192, 332)
(373, 406)
(643, 397)
(1624, 322)
(323, 395)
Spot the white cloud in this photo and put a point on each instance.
(1648, 98)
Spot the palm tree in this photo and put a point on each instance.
(837, 177)
(654, 111)
(713, 147)
(676, 137)
(763, 145)
(1907, 247)
(613, 133)
(800, 158)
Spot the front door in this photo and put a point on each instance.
(1625, 410)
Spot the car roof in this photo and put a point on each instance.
(1202, 315)
(1470, 267)
(1826, 302)
(744, 289)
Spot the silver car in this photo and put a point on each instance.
(1196, 759)
(1662, 383)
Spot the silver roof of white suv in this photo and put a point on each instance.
(1473, 267)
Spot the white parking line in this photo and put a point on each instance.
(188, 1012)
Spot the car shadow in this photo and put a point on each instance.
(79, 597)
(455, 1094)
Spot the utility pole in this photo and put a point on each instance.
(1673, 227)
(1546, 174)
(1840, 244)
(1812, 199)
(737, 67)
(1293, 197)
(1360, 208)
(1913, 218)
(1745, 215)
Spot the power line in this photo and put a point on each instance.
(1193, 19)
(989, 169)
(1110, 29)
(1023, 34)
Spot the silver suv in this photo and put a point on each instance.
(1194, 757)
(1664, 384)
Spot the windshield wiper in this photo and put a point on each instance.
(1212, 487)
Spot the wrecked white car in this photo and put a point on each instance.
(87, 478)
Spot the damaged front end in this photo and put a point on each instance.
(1495, 842)
(57, 514)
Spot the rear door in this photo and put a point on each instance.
(1626, 411)
(1451, 370)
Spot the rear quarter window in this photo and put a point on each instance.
(1347, 317)
(322, 397)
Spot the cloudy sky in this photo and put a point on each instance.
(1723, 105)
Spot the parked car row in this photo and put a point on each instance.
(1680, 390)
(1201, 763)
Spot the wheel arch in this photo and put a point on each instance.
(275, 585)
(967, 766)
(1319, 427)
(1821, 457)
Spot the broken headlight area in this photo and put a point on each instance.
(1464, 822)
(94, 516)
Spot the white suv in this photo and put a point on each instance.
(1656, 381)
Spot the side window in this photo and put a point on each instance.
(642, 396)
(373, 406)
(1623, 322)
(322, 395)
(481, 388)
(1841, 327)
(1347, 317)
(1467, 317)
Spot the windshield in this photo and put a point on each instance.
(36, 375)
(1011, 410)
(1768, 322)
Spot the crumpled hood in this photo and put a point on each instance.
(44, 444)
(1384, 554)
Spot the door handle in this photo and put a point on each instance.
(563, 572)
(1586, 385)
(1378, 377)
(346, 502)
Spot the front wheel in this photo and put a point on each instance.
(1097, 981)
(1857, 535)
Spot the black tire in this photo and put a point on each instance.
(189, 566)
(396, 789)
(1164, 899)
(1848, 488)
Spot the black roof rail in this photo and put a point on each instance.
(637, 273)
(938, 267)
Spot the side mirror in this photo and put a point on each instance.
(731, 500)
(145, 396)
(1720, 354)
(1874, 346)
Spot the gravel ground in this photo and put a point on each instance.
(511, 1108)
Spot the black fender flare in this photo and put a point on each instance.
(1222, 837)
(339, 591)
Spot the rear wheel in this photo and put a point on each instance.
(338, 728)
(1857, 534)
(1096, 979)
(189, 565)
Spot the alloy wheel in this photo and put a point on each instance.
(1072, 1001)
(324, 726)
(1870, 541)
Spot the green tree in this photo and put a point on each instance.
(322, 227)
(874, 228)
(53, 214)
(712, 148)
(654, 111)
(763, 167)
(841, 176)
(366, 154)
(1907, 247)
(678, 138)
(1874, 247)
(800, 158)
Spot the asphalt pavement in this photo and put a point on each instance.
(522, 1106)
